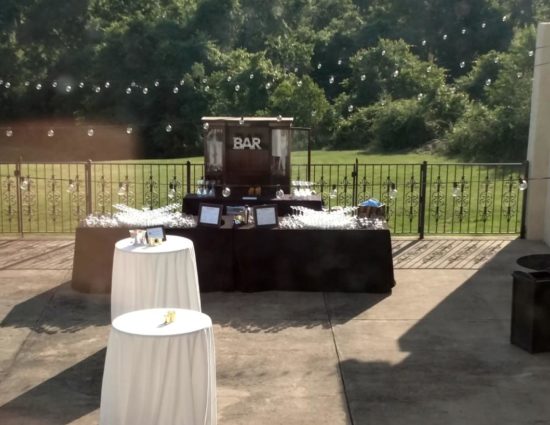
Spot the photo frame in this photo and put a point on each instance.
(155, 233)
(210, 215)
(266, 216)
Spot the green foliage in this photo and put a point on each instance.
(400, 125)
(328, 63)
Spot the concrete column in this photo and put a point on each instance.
(538, 151)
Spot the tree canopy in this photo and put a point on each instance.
(374, 74)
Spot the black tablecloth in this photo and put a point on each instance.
(257, 259)
(191, 203)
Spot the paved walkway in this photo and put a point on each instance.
(435, 351)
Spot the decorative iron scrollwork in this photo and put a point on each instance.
(510, 197)
(151, 193)
(28, 198)
(461, 199)
(53, 198)
(103, 195)
(437, 203)
(9, 198)
(174, 190)
(411, 199)
(125, 192)
(486, 200)
(77, 198)
(388, 197)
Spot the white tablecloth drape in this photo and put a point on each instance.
(154, 276)
(159, 374)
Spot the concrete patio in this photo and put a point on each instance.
(435, 351)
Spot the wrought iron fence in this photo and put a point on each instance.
(420, 198)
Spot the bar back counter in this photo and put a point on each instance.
(252, 259)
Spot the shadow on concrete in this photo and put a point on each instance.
(59, 309)
(455, 365)
(275, 311)
(61, 399)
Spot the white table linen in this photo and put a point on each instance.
(154, 276)
(159, 374)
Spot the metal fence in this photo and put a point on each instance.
(420, 198)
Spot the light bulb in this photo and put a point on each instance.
(156, 83)
(462, 64)
(251, 76)
(168, 128)
(24, 184)
(331, 79)
(395, 73)
(39, 86)
(424, 42)
(175, 90)
(97, 89)
(91, 132)
(129, 130)
(299, 83)
(206, 126)
(522, 184)
(51, 132)
(68, 88)
(145, 90)
(463, 31)
(279, 194)
(54, 84)
(444, 36)
(363, 77)
(121, 189)
(383, 53)
(172, 193)
(393, 193)
(279, 118)
(207, 88)
(228, 78)
(241, 121)
(350, 108)
(339, 61)
(488, 82)
(9, 132)
(182, 82)
(237, 87)
(319, 66)
(71, 188)
(81, 85)
(226, 192)
(7, 84)
(128, 90)
(531, 53)
(333, 192)
(107, 84)
(483, 25)
(268, 85)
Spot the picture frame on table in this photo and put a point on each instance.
(210, 215)
(265, 216)
(155, 233)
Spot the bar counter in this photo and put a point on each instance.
(250, 259)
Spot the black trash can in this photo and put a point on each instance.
(531, 311)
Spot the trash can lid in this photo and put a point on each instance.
(535, 261)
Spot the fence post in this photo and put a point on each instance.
(422, 199)
(523, 228)
(17, 174)
(88, 186)
(354, 190)
(188, 177)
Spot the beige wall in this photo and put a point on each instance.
(538, 152)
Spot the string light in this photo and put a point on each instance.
(51, 132)
(90, 132)
(168, 128)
